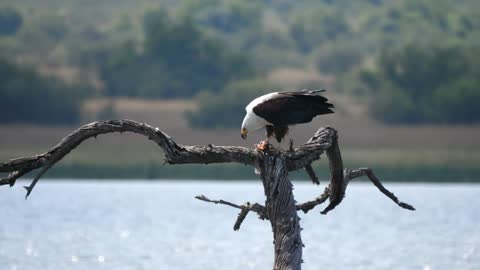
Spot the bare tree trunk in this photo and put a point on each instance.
(282, 212)
(274, 164)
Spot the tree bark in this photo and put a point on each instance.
(281, 211)
(273, 164)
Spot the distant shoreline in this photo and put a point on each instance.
(424, 173)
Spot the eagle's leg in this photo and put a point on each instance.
(265, 145)
(270, 129)
(280, 131)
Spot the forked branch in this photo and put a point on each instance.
(244, 209)
(309, 205)
(352, 174)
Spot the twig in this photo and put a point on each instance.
(352, 174)
(35, 180)
(311, 150)
(369, 173)
(337, 184)
(290, 146)
(11, 178)
(307, 206)
(311, 174)
(241, 216)
(245, 208)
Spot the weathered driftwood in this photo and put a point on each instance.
(273, 164)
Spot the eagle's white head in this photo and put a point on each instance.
(252, 122)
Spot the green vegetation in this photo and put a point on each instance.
(317, 26)
(26, 97)
(137, 49)
(177, 60)
(413, 61)
(204, 49)
(10, 21)
(342, 38)
(227, 108)
(418, 85)
(339, 59)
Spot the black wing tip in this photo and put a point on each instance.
(318, 91)
(303, 92)
(321, 100)
(325, 111)
(314, 91)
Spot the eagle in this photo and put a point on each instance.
(278, 110)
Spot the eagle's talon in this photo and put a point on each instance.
(263, 145)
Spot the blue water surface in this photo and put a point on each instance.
(159, 225)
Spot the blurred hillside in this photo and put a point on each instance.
(410, 61)
(404, 75)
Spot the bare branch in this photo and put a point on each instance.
(35, 180)
(206, 199)
(324, 140)
(11, 178)
(245, 209)
(340, 177)
(290, 146)
(352, 174)
(310, 151)
(174, 153)
(241, 217)
(337, 184)
(311, 174)
(307, 206)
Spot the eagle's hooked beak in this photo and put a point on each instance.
(243, 134)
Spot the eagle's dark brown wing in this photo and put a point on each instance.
(288, 108)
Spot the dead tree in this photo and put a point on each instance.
(280, 207)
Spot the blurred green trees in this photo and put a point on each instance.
(227, 108)
(311, 28)
(338, 59)
(426, 85)
(194, 46)
(26, 97)
(228, 18)
(176, 60)
(53, 27)
(10, 21)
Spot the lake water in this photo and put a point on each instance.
(159, 225)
